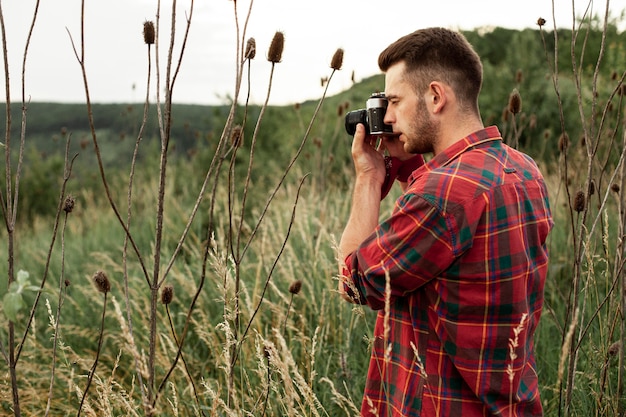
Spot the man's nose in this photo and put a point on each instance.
(388, 119)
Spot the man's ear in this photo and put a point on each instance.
(438, 96)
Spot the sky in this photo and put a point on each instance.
(116, 57)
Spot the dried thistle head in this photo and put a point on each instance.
(101, 282)
(236, 136)
(167, 294)
(541, 21)
(275, 52)
(615, 348)
(615, 188)
(295, 287)
(148, 32)
(337, 60)
(579, 202)
(515, 102)
(250, 49)
(519, 76)
(68, 204)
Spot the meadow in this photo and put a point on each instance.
(158, 267)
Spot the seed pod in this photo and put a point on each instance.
(250, 49)
(541, 21)
(101, 281)
(295, 287)
(515, 102)
(236, 137)
(579, 202)
(69, 203)
(148, 32)
(167, 294)
(337, 60)
(276, 48)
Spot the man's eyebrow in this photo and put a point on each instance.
(391, 96)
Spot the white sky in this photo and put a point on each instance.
(116, 57)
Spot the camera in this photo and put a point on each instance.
(371, 116)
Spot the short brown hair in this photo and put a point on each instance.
(438, 54)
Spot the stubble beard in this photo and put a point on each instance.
(423, 132)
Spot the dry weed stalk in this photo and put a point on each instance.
(597, 172)
(9, 199)
(156, 271)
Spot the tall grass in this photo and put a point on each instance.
(220, 295)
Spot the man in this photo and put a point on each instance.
(457, 271)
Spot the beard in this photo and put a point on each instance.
(423, 131)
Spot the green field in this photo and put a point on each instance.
(228, 226)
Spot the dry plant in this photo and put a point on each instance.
(225, 257)
(592, 173)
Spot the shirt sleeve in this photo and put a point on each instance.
(414, 245)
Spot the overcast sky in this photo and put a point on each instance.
(116, 57)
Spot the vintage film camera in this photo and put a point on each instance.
(371, 116)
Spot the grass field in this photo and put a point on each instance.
(204, 284)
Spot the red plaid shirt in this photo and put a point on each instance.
(464, 257)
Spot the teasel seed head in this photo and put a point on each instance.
(515, 102)
(519, 76)
(592, 187)
(101, 281)
(250, 49)
(295, 287)
(615, 188)
(236, 136)
(337, 60)
(276, 48)
(148, 32)
(615, 348)
(167, 294)
(69, 203)
(579, 201)
(541, 21)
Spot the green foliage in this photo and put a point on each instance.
(305, 353)
(13, 301)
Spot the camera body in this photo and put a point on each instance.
(371, 116)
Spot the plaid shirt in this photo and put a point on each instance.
(464, 259)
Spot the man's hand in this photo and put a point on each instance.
(367, 156)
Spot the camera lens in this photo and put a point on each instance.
(353, 118)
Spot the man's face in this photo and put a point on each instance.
(408, 113)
